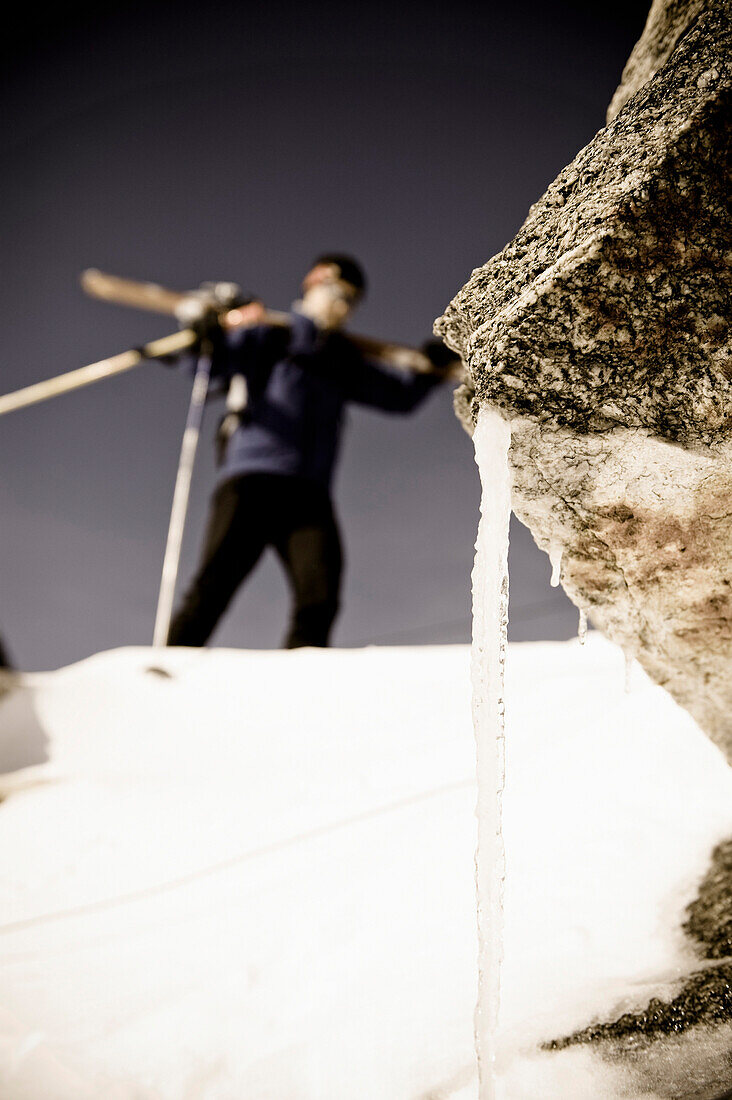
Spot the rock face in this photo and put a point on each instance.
(667, 21)
(603, 332)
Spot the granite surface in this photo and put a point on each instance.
(603, 332)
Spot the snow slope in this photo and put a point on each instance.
(252, 877)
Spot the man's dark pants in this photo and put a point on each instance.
(248, 514)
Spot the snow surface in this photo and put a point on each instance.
(612, 806)
(254, 878)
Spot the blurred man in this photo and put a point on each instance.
(278, 453)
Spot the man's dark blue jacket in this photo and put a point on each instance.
(299, 381)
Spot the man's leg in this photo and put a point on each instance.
(310, 549)
(232, 546)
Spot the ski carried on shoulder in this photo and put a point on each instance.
(159, 299)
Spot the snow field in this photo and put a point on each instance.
(254, 876)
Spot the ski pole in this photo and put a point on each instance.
(180, 495)
(94, 372)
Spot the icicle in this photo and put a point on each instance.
(490, 621)
(582, 627)
(555, 557)
(628, 670)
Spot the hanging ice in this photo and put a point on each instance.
(555, 557)
(490, 621)
(586, 963)
(628, 670)
(582, 627)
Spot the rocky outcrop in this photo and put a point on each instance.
(644, 528)
(603, 331)
(667, 21)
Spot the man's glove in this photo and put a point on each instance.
(443, 359)
(201, 309)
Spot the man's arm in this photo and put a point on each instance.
(381, 386)
(367, 382)
(245, 346)
(237, 345)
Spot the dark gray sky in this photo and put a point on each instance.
(180, 143)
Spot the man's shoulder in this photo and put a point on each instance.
(340, 345)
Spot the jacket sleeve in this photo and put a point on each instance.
(335, 357)
(380, 386)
